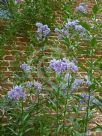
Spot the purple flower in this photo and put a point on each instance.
(83, 95)
(38, 86)
(73, 67)
(65, 31)
(88, 82)
(71, 23)
(16, 92)
(82, 102)
(42, 31)
(80, 28)
(76, 83)
(82, 7)
(61, 32)
(57, 30)
(84, 98)
(61, 65)
(25, 67)
(39, 24)
(29, 84)
(95, 101)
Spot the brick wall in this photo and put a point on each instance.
(20, 43)
(19, 46)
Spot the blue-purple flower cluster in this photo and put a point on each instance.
(25, 67)
(71, 23)
(84, 98)
(82, 8)
(16, 93)
(80, 28)
(37, 85)
(65, 31)
(29, 84)
(61, 65)
(93, 100)
(76, 83)
(61, 32)
(88, 82)
(42, 31)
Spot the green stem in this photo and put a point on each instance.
(57, 103)
(22, 111)
(87, 112)
(57, 111)
(65, 111)
(96, 2)
(89, 95)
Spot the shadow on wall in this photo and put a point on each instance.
(3, 12)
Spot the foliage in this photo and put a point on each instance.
(47, 97)
(22, 16)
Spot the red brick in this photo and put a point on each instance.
(8, 47)
(93, 134)
(8, 52)
(21, 48)
(21, 39)
(3, 68)
(10, 57)
(8, 74)
(98, 133)
(6, 63)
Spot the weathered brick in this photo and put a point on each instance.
(20, 44)
(6, 63)
(93, 134)
(8, 74)
(9, 57)
(3, 68)
(98, 133)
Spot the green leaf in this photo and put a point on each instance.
(76, 133)
(15, 133)
(97, 61)
(59, 127)
(85, 25)
(29, 129)
(95, 9)
(26, 117)
(100, 66)
(97, 128)
(1, 52)
(94, 41)
(75, 109)
(83, 67)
